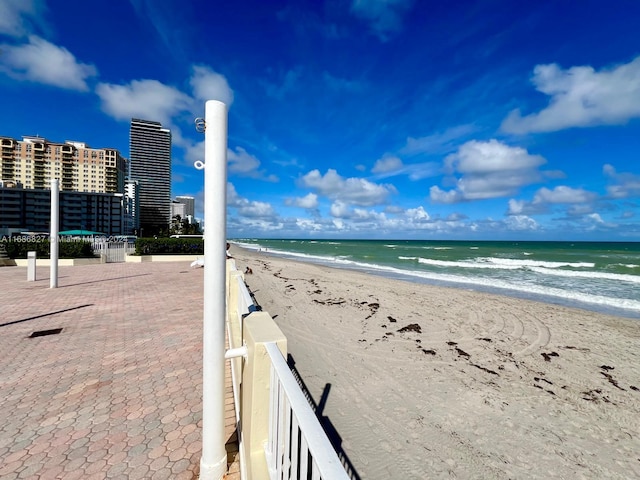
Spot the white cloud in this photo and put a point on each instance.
(43, 62)
(308, 225)
(521, 223)
(563, 194)
(339, 224)
(581, 97)
(387, 164)
(209, 85)
(418, 214)
(438, 195)
(580, 200)
(308, 202)
(233, 198)
(241, 162)
(148, 99)
(579, 209)
(340, 210)
(384, 16)
(487, 170)
(596, 218)
(476, 157)
(438, 143)
(362, 215)
(194, 151)
(16, 16)
(516, 207)
(246, 165)
(249, 209)
(257, 210)
(418, 171)
(355, 191)
(625, 184)
(390, 165)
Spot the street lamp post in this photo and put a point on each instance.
(53, 234)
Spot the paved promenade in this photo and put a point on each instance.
(117, 393)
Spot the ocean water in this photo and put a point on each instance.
(598, 276)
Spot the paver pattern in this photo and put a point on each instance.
(117, 393)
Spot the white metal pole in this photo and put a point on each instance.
(213, 463)
(53, 235)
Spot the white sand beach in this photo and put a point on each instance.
(423, 382)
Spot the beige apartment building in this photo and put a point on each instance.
(31, 163)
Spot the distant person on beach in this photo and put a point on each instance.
(228, 246)
(248, 271)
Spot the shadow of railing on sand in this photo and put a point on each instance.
(329, 429)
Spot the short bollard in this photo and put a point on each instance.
(31, 266)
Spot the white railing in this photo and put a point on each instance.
(245, 301)
(294, 442)
(114, 251)
(297, 446)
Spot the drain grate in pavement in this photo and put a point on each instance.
(42, 333)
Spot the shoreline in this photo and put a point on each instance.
(413, 277)
(422, 381)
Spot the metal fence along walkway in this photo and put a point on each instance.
(114, 252)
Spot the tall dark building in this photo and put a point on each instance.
(150, 165)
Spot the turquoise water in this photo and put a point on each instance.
(600, 276)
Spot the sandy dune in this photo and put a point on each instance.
(422, 382)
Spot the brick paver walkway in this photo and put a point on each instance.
(117, 393)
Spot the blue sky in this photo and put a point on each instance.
(490, 119)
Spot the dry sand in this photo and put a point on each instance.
(420, 382)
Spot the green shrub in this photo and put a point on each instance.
(76, 249)
(169, 246)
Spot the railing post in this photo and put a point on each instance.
(259, 329)
(213, 463)
(233, 302)
(31, 266)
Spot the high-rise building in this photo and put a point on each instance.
(189, 203)
(33, 162)
(178, 208)
(30, 209)
(150, 165)
(131, 207)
